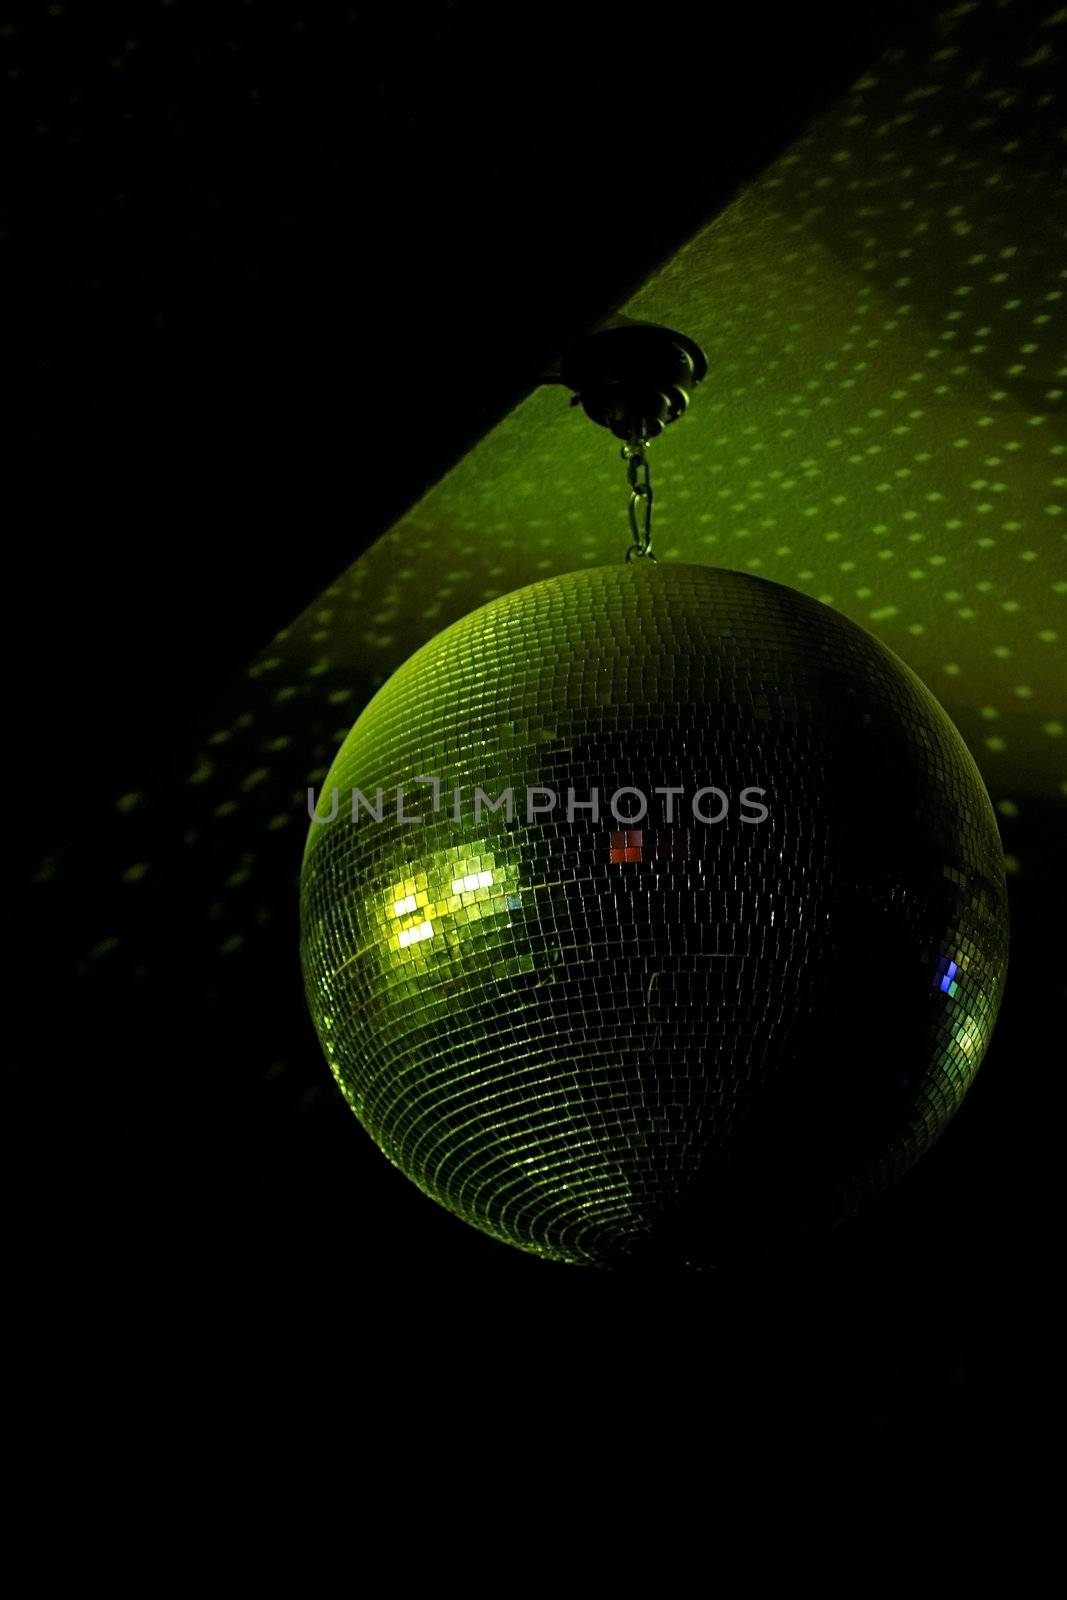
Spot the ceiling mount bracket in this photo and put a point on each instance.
(634, 378)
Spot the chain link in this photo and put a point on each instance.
(637, 476)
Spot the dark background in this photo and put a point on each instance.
(273, 271)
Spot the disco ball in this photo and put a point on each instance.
(724, 998)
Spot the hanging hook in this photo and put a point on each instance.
(640, 481)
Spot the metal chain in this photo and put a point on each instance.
(637, 476)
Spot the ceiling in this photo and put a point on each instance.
(882, 425)
(275, 269)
